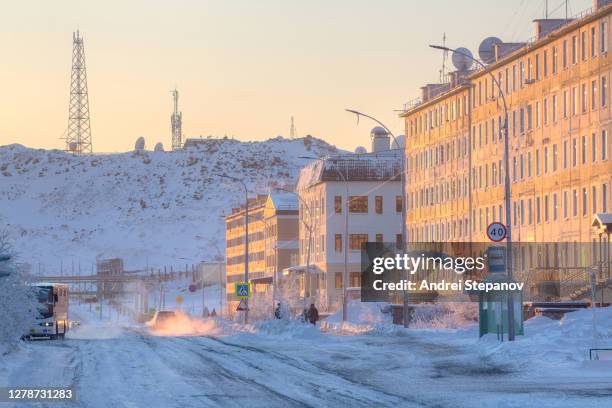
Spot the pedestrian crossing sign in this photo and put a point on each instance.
(242, 290)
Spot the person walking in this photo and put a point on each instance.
(312, 314)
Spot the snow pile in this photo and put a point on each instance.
(286, 329)
(17, 304)
(150, 208)
(449, 315)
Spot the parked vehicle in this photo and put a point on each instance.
(52, 321)
(163, 319)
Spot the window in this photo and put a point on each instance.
(604, 145)
(554, 108)
(604, 91)
(555, 207)
(538, 219)
(584, 98)
(545, 63)
(583, 45)
(593, 94)
(354, 279)
(593, 147)
(545, 159)
(399, 242)
(338, 242)
(564, 54)
(545, 111)
(537, 164)
(356, 240)
(574, 50)
(565, 154)
(378, 203)
(338, 280)
(584, 202)
(379, 238)
(575, 203)
(584, 150)
(565, 205)
(594, 198)
(554, 60)
(554, 157)
(358, 204)
(603, 36)
(604, 198)
(593, 41)
(574, 152)
(398, 204)
(338, 204)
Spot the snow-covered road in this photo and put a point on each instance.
(126, 366)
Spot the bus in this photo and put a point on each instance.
(52, 319)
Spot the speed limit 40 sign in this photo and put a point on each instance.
(496, 231)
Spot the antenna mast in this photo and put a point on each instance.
(78, 136)
(176, 123)
(444, 58)
(292, 130)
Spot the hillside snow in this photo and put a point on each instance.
(150, 208)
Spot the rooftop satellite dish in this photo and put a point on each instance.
(486, 50)
(140, 144)
(462, 59)
(159, 147)
(360, 150)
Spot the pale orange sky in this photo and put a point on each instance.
(243, 68)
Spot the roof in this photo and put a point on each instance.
(603, 221)
(284, 201)
(382, 166)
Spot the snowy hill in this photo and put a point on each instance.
(155, 208)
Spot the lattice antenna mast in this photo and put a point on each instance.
(292, 130)
(78, 136)
(176, 123)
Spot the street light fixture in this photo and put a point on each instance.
(246, 238)
(511, 330)
(405, 311)
(346, 237)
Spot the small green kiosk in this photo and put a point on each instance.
(493, 305)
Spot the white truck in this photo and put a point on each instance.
(52, 319)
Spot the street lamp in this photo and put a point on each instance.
(246, 238)
(405, 311)
(346, 237)
(309, 229)
(506, 182)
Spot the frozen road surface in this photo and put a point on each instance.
(110, 366)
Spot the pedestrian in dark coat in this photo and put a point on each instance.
(313, 314)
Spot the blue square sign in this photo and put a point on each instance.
(242, 290)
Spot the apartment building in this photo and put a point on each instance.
(371, 181)
(557, 92)
(273, 241)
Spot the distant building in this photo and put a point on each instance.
(273, 242)
(374, 214)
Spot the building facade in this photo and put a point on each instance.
(373, 212)
(556, 89)
(273, 242)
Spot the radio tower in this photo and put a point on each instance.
(78, 137)
(292, 130)
(176, 122)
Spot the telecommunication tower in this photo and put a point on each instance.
(292, 130)
(78, 136)
(176, 122)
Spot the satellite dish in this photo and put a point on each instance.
(140, 144)
(462, 59)
(159, 147)
(486, 50)
(360, 150)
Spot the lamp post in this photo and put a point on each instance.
(246, 238)
(405, 310)
(309, 229)
(346, 236)
(511, 330)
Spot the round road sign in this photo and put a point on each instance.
(496, 231)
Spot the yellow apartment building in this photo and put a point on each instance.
(559, 112)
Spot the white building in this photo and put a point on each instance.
(374, 214)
